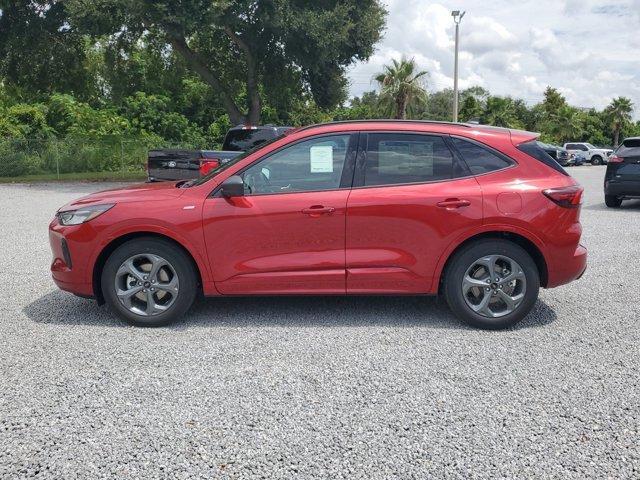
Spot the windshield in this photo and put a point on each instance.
(230, 163)
(590, 147)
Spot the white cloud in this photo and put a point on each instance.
(588, 49)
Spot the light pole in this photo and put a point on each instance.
(457, 18)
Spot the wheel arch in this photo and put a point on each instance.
(122, 239)
(527, 244)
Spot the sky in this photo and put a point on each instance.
(589, 50)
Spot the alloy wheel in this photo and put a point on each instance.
(146, 284)
(494, 286)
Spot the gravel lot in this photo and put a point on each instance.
(322, 387)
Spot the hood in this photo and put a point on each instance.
(131, 193)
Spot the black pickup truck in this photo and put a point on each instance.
(176, 164)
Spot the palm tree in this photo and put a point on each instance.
(619, 115)
(501, 112)
(402, 86)
(566, 124)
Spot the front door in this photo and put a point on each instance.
(406, 207)
(286, 235)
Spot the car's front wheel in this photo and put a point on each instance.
(492, 284)
(596, 160)
(149, 282)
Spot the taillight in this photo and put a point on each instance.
(567, 197)
(616, 159)
(208, 164)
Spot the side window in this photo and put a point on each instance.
(479, 159)
(311, 165)
(396, 158)
(584, 148)
(571, 146)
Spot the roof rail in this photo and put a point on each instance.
(389, 120)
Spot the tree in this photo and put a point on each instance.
(38, 52)
(402, 86)
(440, 106)
(473, 102)
(237, 45)
(553, 101)
(619, 115)
(567, 124)
(501, 112)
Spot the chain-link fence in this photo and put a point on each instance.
(77, 158)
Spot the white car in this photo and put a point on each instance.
(594, 155)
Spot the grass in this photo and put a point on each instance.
(77, 177)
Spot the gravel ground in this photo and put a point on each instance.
(319, 388)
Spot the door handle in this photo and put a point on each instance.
(451, 203)
(316, 210)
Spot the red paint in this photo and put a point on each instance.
(383, 239)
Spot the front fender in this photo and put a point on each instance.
(194, 244)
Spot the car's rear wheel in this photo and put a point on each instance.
(149, 282)
(612, 201)
(596, 160)
(492, 284)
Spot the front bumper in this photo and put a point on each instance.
(70, 258)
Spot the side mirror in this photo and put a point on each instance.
(233, 187)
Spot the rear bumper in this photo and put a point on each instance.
(630, 188)
(569, 269)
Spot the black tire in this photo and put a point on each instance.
(612, 201)
(179, 261)
(463, 259)
(596, 160)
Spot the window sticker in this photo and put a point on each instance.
(405, 158)
(321, 158)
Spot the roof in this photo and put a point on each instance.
(382, 120)
(463, 129)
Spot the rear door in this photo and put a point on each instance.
(407, 205)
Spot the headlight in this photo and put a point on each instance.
(82, 215)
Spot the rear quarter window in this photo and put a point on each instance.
(533, 150)
(480, 159)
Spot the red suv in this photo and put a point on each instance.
(479, 214)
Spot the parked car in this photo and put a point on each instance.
(622, 178)
(481, 215)
(593, 155)
(559, 154)
(180, 164)
(578, 158)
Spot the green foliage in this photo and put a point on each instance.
(566, 124)
(439, 106)
(38, 50)
(553, 101)
(25, 120)
(501, 112)
(152, 114)
(237, 46)
(618, 116)
(69, 117)
(402, 87)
